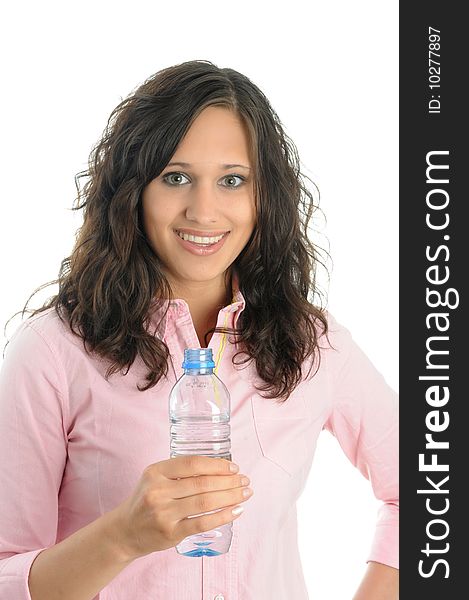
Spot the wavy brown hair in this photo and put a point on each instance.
(113, 275)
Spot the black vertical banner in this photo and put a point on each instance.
(434, 258)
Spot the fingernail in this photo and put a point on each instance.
(234, 468)
(238, 510)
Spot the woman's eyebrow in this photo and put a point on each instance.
(224, 166)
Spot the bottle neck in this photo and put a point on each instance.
(199, 360)
(199, 371)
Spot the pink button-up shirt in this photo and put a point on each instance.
(73, 446)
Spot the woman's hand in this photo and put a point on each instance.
(154, 517)
(380, 582)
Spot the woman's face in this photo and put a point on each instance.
(204, 197)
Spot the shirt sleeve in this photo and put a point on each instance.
(33, 448)
(364, 419)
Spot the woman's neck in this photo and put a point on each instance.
(204, 301)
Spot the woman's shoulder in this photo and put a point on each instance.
(332, 343)
(44, 328)
(336, 335)
(336, 345)
(45, 321)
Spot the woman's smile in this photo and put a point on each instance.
(201, 248)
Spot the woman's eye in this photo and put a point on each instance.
(170, 178)
(174, 179)
(234, 177)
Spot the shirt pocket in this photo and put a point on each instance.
(281, 430)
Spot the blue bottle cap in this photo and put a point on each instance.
(198, 358)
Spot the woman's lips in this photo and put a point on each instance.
(201, 249)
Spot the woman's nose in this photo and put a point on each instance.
(203, 204)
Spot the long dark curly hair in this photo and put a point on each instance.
(113, 275)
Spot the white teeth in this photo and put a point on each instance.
(199, 240)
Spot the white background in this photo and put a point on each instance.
(329, 70)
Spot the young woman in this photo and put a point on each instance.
(194, 234)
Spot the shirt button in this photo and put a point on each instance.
(219, 597)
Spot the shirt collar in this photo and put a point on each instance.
(179, 307)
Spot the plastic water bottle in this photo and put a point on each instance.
(199, 413)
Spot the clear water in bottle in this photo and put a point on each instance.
(199, 414)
